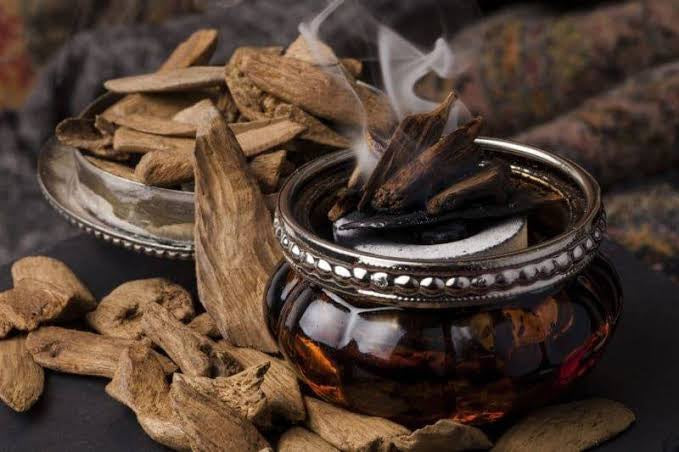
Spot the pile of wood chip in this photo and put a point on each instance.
(284, 108)
(192, 390)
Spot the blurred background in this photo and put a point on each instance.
(595, 81)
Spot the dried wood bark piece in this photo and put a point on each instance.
(322, 55)
(139, 383)
(210, 425)
(195, 354)
(347, 201)
(271, 199)
(194, 51)
(256, 141)
(197, 113)
(445, 435)
(26, 307)
(54, 272)
(350, 431)
(117, 169)
(267, 169)
(280, 383)
(572, 426)
(131, 141)
(232, 273)
(80, 352)
(241, 392)
(489, 182)
(240, 127)
(299, 439)
(171, 80)
(82, 134)
(423, 176)
(205, 325)
(255, 104)
(413, 135)
(163, 106)
(155, 126)
(119, 313)
(305, 85)
(165, 169)
(21, 379)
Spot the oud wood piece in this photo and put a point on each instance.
(140, 383)
(195, 354)
(185, 79)
(117, 169)
(280, 383)
(194, 51)
(413, 135)
(155, 126)
(205, 325)
(132, 141)
(267, 169)
(232, 272)
(81, 133)
(424, 175)
(572, 426)
(210, 425)
(21, 379)
(299, 439)
(119, 313)
(80, 352)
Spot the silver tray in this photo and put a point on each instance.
(149, 220)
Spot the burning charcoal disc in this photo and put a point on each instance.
(501, 237)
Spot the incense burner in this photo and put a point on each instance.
(475, 338)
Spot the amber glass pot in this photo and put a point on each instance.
(473, 339)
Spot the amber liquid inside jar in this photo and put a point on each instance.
(474, 365)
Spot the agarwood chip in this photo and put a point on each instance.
(54, 272)
(423, 176)
(195, 354)
(445, 435)
(82, 134)
(280, 383)
(572, 426)
(491, 181)
(165, 169)
(241, 392)
(80, 352)
(255, 104)
(210, 425)
(155, 126)
(196, 50)
(104, 126)
(21, 379)
(303, 84)
(271, 199)
(119, 313)
(28, 306)
(132, 141)
(139, 383)
(350, 431)
(299, 439)
(205, 325)
(232, 273)
(117, 169)
(163, 106)
(240, 127)
(413, 135)
(185, 79)
(322, 55)
(256, 141)
(197, 113)
(267, 169)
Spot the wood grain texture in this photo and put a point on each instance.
(196, 50)
(267, 169)
(82, 134)
(171, 80)
(350, 431)
(195, 354)
(80, 352)
(156, 126)
(120, 312)
(205, 325)
(280, 384)
(139, 383)
(21, 379)
(54, 272)
(574, 426)
(256, 141)
(210, 425)
(132, 141)
(236, 250)
(299, 439)
(445, 435)
(165, 169)
(26, 307)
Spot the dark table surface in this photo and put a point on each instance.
(639, 369)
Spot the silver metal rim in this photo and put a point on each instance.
(437, 284)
